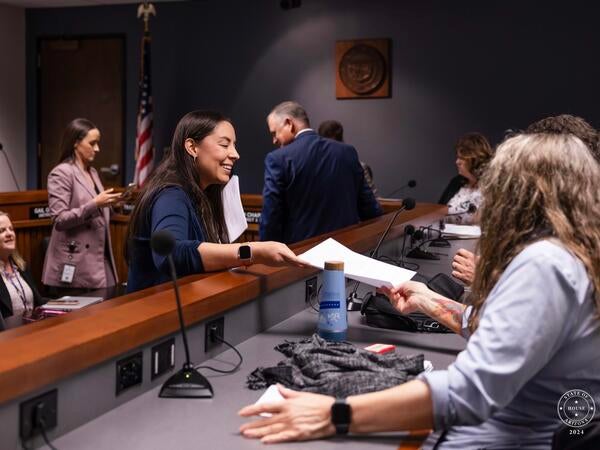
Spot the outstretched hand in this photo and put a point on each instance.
(301, 416)
(275, 254)
(463, 266)
(408, 297)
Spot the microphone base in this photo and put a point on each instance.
(187, 383)
(417, 253)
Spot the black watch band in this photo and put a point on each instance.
(341, 416)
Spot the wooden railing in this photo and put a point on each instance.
(31, 231)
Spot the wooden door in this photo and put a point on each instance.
(82, 77)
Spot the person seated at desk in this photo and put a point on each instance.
(532, 326)
(463, 263)
(462, 195)
(79, 255)
(183, 196)
(18, 293)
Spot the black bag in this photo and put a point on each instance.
(380, 313)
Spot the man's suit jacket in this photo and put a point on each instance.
(76, 220)
(6, 309)
(312, 186)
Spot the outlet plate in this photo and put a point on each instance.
(162, 358)
(129, 372)
(310, 290)
(209, 343)
(49, 400)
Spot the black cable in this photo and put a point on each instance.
(218, 338)
(44, 435)
(310, 301)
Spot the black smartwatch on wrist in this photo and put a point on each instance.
(341, 416)
(245, 253)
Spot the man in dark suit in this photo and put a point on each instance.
(312, 185)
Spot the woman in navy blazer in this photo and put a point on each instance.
(183, 196)
(79, 254)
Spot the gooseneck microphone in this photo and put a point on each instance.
(10, 167)
(407, 205)
(410, 184)
(188, 382)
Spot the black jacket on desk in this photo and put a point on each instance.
(453, 187)
(5, 303)
(312, 186)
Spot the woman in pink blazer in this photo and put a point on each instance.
(79, 254)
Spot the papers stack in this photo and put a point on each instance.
(461, 231)
(356, 266)
(70, 303)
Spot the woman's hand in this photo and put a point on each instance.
(463, 266)
(274, 254)
(300, 417)
(408, 297)
(106, 198)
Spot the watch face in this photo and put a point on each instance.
(340, 413)
(245, 252)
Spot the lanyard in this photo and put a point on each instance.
(20, 289)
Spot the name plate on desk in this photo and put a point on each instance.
(252, 217)
(39, 212)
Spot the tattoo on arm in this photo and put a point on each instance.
(448, 312)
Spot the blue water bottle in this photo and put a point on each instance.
(333, 323)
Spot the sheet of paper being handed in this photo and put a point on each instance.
(235, 217)
(356, 266)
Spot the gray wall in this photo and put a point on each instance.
(457, 67)
(12, 96)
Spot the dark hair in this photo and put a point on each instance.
(76, 130)
(476, 149)
(178, 169)
(568, 124)
(332, 129)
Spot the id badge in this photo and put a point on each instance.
(67, 273)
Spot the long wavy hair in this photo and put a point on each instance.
(15, 256)
(537, 186)
(178, 168)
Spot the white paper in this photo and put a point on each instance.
(82, 302)
(235, 218)
(466, 231)
(271, 395)
(356, 266)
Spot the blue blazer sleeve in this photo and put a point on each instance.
(171, 211)
(271, 217)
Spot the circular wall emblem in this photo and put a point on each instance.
(576, 408)
(362, 69)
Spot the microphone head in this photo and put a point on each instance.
(162, 242)
(412, 183)
(408, 203)
(409, 230)
(418, 235)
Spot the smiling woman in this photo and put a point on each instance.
(183, 196)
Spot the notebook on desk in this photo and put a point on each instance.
(70, 303)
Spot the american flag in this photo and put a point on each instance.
(144, 150)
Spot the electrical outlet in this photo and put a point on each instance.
(163, 358)
(129, 372)
(310, 290)
(219, 326)
(42, 407)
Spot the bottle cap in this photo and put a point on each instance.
(334, 265)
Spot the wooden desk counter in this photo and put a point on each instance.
(61, 347)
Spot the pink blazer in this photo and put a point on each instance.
(80, 229)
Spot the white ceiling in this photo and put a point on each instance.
(61, 3)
